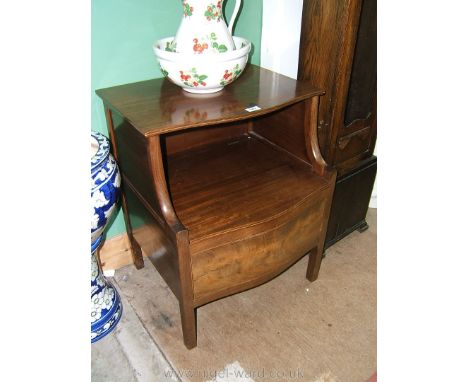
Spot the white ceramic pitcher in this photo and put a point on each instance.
(203, 29)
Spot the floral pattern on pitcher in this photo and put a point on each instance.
(199, 47)
(214, 12)
(221, 48)
(201, 18)
(209, 41)
(188, 10)
(230, 76)
(192, 78)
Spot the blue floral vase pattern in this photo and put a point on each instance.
(106, 307)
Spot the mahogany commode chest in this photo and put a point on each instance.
(222, 192)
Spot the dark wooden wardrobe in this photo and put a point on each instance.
(338, 53)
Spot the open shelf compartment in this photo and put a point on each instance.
(235, 183)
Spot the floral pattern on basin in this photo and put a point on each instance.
(170, 46)
(192, 79)
(230, 76)
(202, 73)
(164, 71)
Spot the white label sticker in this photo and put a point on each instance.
(253, 108)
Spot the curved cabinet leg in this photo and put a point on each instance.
(188, 316)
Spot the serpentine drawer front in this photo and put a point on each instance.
(221, 192)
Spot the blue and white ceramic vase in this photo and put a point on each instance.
(106, 307)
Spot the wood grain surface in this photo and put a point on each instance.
(235, 184)
(158, 106)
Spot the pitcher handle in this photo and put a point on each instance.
(234, 15)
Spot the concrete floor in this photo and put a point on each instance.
(129, 353)
(329, 328)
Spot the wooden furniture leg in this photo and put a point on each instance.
(135, 248)
(315, 156)
(317, 253)
(188, 316)
(313, 267)
(188, 312)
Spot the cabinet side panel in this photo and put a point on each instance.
(322, 40)
(133, 159)
(363, 79)
(154, 242)
(285, 128)
(251, 261)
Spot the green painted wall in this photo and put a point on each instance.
(123, 32)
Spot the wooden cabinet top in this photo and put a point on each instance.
(158, 106)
